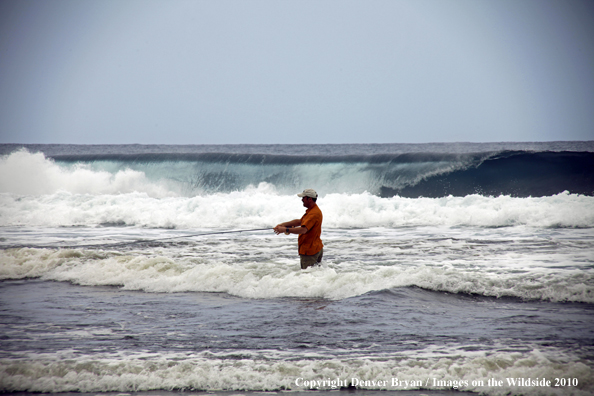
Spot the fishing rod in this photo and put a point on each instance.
(129, 242)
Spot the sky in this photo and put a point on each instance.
(295, 72)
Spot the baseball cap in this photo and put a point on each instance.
(308, 193)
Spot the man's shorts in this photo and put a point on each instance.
(309, 261)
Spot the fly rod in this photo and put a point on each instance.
(129, 242)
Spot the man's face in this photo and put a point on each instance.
(306, 201)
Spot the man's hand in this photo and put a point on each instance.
(279, 229)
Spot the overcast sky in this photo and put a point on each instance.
(274, 71)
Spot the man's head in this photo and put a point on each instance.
(309, 197)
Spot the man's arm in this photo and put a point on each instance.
(294, 227)
(292, 223)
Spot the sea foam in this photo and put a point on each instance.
(270, 271)
(24, 173)
(216, 372)
(263, 206)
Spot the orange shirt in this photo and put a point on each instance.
(310, 242)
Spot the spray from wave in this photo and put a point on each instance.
(24, 173)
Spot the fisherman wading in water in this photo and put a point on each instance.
(309, 229)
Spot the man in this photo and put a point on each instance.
(309, 229)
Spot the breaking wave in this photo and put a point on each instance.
(513, 173)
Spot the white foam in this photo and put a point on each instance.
(24, 173)
(262, 206)
(274, 371)
(266, 266)
(365, 210)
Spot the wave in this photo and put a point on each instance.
(38, 191)
(456, 370)
(208, 173)
(513, 173)
(271, 275)
(24, 173)
(263, 206)
(518, 174)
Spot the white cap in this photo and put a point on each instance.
(308, 193)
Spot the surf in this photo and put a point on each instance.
(508, 263)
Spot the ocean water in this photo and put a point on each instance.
(154, 269)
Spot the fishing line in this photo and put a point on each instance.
(126, 243)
